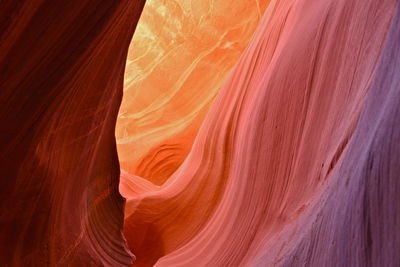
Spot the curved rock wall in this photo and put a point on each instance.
(295, 164)
(61, 78)
(297, 159)
(179, 57)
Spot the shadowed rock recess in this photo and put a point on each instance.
(295, 163)
(61, 78)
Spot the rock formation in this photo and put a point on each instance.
(298, 159)
(61, 78)
(295, 163)
(180, 55)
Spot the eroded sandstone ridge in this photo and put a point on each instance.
(61, 77)
(298, 160)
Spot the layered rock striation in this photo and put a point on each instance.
(179, 57)
(61, 78)
(296, 163)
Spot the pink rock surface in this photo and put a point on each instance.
(296, 163)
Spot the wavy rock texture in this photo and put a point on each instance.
(61, 78)
(181, 52)
(297, 162)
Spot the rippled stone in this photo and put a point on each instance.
(180, 55)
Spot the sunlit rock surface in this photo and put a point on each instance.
(297, 161)
(61, 78)
(179, 57)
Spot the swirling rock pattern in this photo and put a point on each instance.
(179, 56)
(295, 164)
(61, 78)
(297, 161)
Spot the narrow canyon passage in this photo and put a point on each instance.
(172, 75)
(245, 133)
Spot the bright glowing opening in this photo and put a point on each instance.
(180, 54)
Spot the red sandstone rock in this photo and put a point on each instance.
(61, 77)
(296, 164)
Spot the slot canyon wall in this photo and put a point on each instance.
(288, 156)
(61, 78)
(180, 55)
(297, 161)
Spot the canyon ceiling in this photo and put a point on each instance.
(200, 133)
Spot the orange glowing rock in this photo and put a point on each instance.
(180, 54)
